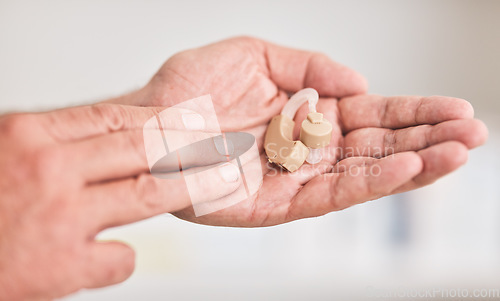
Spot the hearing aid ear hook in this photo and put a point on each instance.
(315, 133)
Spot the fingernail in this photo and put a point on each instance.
(221, 146)
(193, 121)
(229, 172)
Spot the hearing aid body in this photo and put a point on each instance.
(315, 133)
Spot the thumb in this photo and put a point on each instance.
(109, 263)
(293, 69)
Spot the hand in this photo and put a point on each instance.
(65, 176)
(248, 80)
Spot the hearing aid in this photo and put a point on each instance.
(315, 133)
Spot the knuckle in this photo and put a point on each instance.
(114, 115)
(16, 124)
(389, 140)
(317, 59)
(148, 192)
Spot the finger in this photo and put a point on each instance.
(357, 184)
(109, 263)
(80, 122)
(251, 175)
(379, 142)
(123, 154)
(293, 70)
(126, 201)
(129, 153)
(84, 121)
(400, 111)
(439, 160)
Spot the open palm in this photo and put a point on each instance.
(250, 81)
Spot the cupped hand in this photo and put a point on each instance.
(380, 145)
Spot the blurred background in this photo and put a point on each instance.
(62, 53)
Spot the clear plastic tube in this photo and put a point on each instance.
(292, 106)
(298, 99)
(314, 156)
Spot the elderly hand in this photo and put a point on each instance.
(380, 146)
(68, 174)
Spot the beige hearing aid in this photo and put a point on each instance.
(315, 133)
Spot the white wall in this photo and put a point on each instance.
(60, 53)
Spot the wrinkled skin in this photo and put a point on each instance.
(249, 81)
(68, 174)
